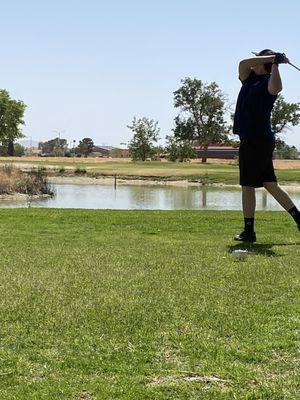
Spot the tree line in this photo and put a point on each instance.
(58, 147)
(203, 118)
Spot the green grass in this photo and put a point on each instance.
(202, 173)
(288, 175)
(147, 305)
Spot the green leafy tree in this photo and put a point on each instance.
(55, 147)
(201, 119)
(19, 150)
(85, 147)
(286, 152)
(145, 135)
(117, 153)
(284, 115)
(158, 152)
(179, 149)
(11, 117)
(3, 151)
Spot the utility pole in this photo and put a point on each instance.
(59, 132)
(74, 141)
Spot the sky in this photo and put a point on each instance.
(86, 68)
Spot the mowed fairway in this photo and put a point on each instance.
(147, 305)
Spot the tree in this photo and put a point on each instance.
(202, 108)
(286, 152)
(11, 117)
(284, 115)
(55, 147)
(3, 151)
(116, 153)
(19, 150)
(179, 149)
(85, 147)
(145, 134)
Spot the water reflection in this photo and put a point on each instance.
(149, 197)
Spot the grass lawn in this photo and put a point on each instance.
(203, 173)
(147, 305)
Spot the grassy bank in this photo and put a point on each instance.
(147, 305)
(212, 172)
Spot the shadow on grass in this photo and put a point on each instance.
(260, 248)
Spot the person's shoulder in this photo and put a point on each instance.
(249, 78)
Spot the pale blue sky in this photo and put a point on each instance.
(88, 67)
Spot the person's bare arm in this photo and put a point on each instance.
(275, 84)
(246, 65)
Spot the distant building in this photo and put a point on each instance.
(218, 151)
(109, 151)
(32, 151)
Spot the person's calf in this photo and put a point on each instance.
(248, 201)
(284, 200)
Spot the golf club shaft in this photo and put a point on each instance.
(294, 66)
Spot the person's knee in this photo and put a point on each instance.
(271, 186)
(248, 189)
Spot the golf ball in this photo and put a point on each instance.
(239, 255)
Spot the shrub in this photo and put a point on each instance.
(13, 180)
(80, 171)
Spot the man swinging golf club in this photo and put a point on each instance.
(261, 84)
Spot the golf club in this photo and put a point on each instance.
(256, 54)
(294, 66)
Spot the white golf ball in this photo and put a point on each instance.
(239, 255)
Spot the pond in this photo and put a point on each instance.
(158, 197)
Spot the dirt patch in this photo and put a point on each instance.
(287, 164)
(60, 160)
(189, 377)
(86, 395)
(23, 197)
(103, 180)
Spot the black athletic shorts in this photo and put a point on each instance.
(256, 162)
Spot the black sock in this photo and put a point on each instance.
(249, 224)
(295, 213)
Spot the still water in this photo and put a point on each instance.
(148, 198)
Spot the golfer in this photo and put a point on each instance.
(261, 84)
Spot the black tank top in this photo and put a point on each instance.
(253, 109)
